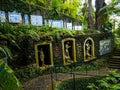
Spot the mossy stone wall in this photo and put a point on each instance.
(29, 52)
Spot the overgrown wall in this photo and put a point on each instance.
(26, 53)
(79, 44)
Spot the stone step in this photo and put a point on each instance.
(115, 64)
(118, 57)
(114, 61)
(114, 67)
(116, 54)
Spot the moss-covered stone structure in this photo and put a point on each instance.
(52, 49)
(57, 53)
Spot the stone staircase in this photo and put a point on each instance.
(114, 61)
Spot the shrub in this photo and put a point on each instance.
(77, 83)
(8, 81)
(110, 82)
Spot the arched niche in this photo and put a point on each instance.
(43, 54)
(89, 51)
(68, 50)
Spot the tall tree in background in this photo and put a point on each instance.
(55, 7)
(84, 11)
(90, 15)
(71, 7)
(101, 17)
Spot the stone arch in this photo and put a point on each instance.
(89, 51)
(68, 50)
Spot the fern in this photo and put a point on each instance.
(8, 81)
(3, 51)
(6, 51)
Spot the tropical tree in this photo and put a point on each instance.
(71, 7)
(54, 9)
(113, 7)
(90, 15)
(84, 11)
(103, 11)
(101, 17)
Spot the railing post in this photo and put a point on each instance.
(56, 73)
(73, 65)
(74, 81)
(52, 80)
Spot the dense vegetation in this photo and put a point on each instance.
(15, 42)
(77, 83)
(75, 9)
(14, 39)
(117, 36)
(13, 35)
(8, 80)
(110, 82)
(30, 71)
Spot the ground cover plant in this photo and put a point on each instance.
(30, 71)
(117, 37)
(107, 82)
(8, 80)
(77, 83)
(110, 82)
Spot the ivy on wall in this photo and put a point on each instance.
(27, 8)
(17, 5)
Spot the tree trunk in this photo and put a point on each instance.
(90, 15)
(99, 16)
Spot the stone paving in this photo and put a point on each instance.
(46, 82)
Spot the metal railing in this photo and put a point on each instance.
(47, 82)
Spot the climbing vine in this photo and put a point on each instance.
(18, 5)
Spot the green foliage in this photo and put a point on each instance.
(27, 73)
(17, 5)
(8, 81)
(7, 38)
(19, 39)
(91, 31)
(50, 7)
(110, 82)
(117, 36)
(5, 52)
(111, 8)
(54, 9)
(71, 8)
(77, 83)
(13, 33)
(107, 27)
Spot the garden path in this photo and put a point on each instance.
(46, 82)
